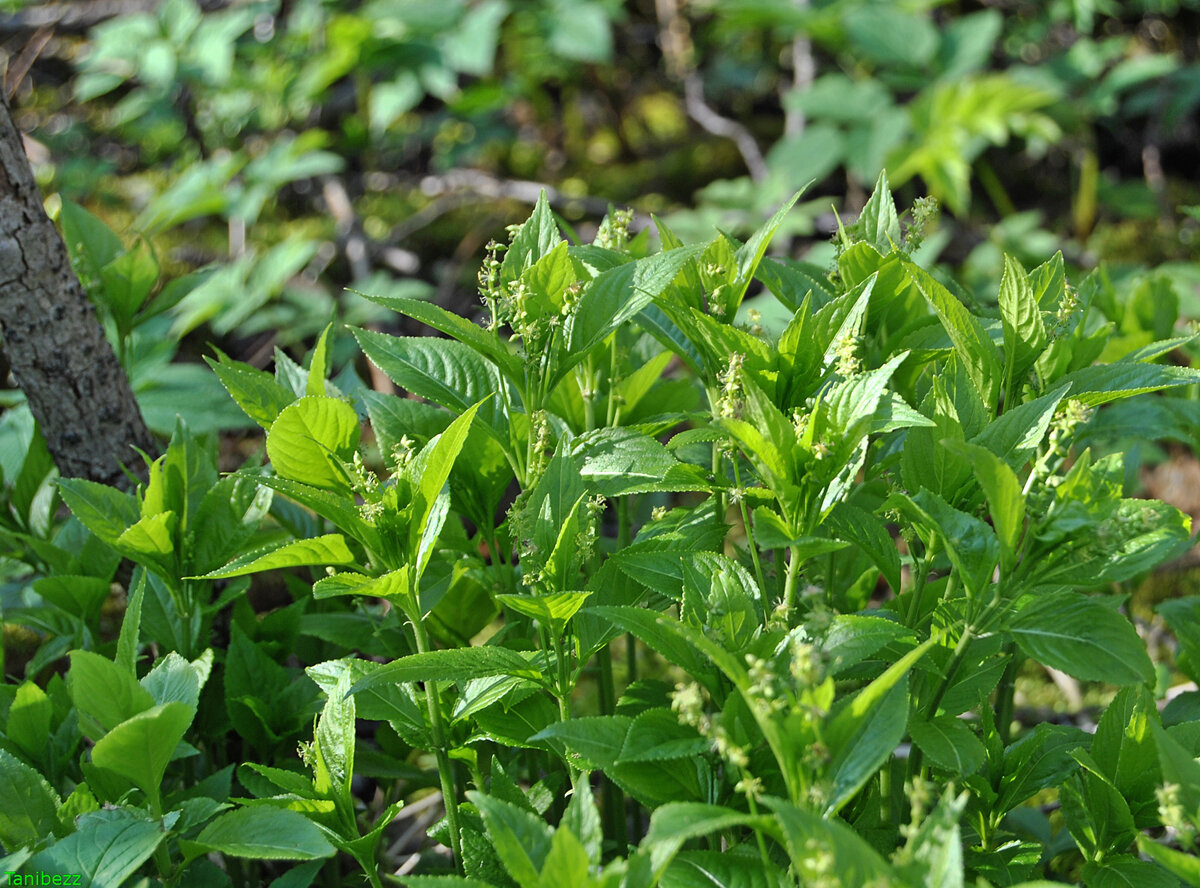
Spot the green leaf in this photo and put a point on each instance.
(1002, 491)
(807, 834)
(318, 365)
(89, 241)
(1016, 434)
(864, 733)
(341, 510)
(1110, 382)
(1024, 332)
(431, 469)
(750, 254)
(566, 863)
(852, 638)
(1183, 866)
(439, 370)
(483, 342)
(1083, 637)
(329, 549)
(674, 823)
(948, 742)
(456, 664)
(621, 461)
(140, 747)
(971, 341)
(104, 693)
(655, 630)
(1124, 749)
(30, 809)
(103, 510)
(554, 610)
(537, 236)
(106, 849)
(311, 438)
(131, 626)
(592, 743)
(263, 833)
(617, 295)
(522, 840)
(1038, 760)
(879, 220)
(255, 391)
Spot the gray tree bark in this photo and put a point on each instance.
(52, 338)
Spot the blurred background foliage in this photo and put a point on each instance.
(254, 159)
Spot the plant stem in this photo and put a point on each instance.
(445, 767)
(624, 536)
(1005, 693)
(789, 586)
(750, 544)
(614, 799)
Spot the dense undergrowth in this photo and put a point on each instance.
(651, 587)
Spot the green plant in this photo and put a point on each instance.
(853, 536)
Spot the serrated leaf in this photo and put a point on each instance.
(264, 833)
(255, 391)
(948, 742)
(456, 664)
(440, 370)
(329, 549)
(30, 809)
(1083, 637)
(311, 438)
(484, 342)
(879, 221)
(139, 748)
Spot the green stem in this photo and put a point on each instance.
(162, 860)
(750, 544)
(614, 799)
(624, 536)
(789, 585)
(914, 602)
(445, 766)
(915, 760)
(1005, 693)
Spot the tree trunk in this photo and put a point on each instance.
(52, 338)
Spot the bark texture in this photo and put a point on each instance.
(52, 337)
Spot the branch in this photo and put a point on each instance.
(677, 49)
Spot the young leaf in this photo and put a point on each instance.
(104, 693)
(439, 370)
(311, 438)
(971, 341)
(522, 840)
(131, 624)
(617, 295)
(139, 748)
(318, 366)
(879, 220)
(1024, 332)
(254, 390)
(1002, 491)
